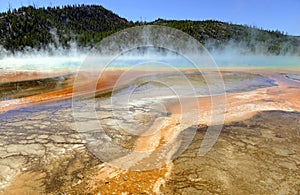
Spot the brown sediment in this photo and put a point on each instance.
(240, 106)
(86, 79)
(254, 156)
(64, 174)
(26, 183)
(14, 76)
(86, 82)
(113, 181)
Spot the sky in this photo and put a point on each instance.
(282, 15)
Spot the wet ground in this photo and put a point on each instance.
(42, 152)
(256, 156)
(26, 88)
(293, 76)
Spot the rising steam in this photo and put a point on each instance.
(233, 54)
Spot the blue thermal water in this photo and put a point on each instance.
(41, 63)
(150, 59)
(256, 61)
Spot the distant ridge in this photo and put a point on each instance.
(39, 27)
(85, 25)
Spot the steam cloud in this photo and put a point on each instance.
(232, 54)
(238, 54)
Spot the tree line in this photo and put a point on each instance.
(85, 25)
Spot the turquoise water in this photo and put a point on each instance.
(255, 61)
(41, 63)
(151, 58)
(221, 60)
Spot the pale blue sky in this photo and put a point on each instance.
(283, 15)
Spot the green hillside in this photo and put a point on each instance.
(52, 27)
(38, 28)
(219, 34)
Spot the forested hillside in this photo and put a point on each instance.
(220, 34)
(85, 25)
(38, 28)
